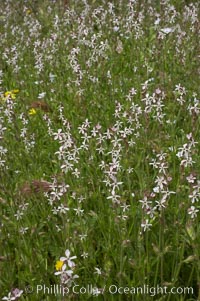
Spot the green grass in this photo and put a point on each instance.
(86, 59)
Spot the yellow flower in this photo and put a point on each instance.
(11, 94)
(59, 265)
(32, 112)
(28, 11)
(7, 93)
(15, 91)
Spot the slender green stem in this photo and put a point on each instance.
(161, 245)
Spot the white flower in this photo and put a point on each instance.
(145, 203)
(146, 225)
(23, 230)
(62, 209)
(115, 28)
(167, 30)
(161, 203)
(58, 135)
(96, 292)
(191, 178)
(9, 298)
(125, 207)
(130, 170)
(19, 215)
(63, 271)
(84, 255)
(58, 228)
(83, 236)
(194, 196)
(97, 271)
(156, 189)
(193, 211)
(51, 77)
(42, 95)
(115, 198)
(76, 173)
(157, 21)
(68, 259)
(79, 211)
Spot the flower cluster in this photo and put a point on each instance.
(186, 151)
(65, 269)
(117, 135)
(10, 94)
(15, 294)
(194, 195)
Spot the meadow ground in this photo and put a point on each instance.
(99, 150)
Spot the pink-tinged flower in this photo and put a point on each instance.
(191, 178)
(17, 293)
(192, 211)
(68, 279)
(68, 259)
